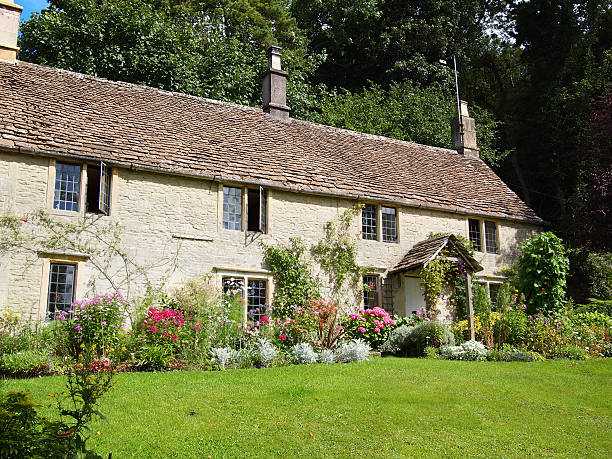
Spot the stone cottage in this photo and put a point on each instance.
(203, 182)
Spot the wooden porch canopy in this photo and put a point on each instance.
(425, 251)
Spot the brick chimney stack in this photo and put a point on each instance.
(275, 86)
(464, 133)
(9, 26)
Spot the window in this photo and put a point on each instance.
(98, 189)
(61, 288)
(387, 295)
(491, 237)
(389, 224)
(370, 291)
(256, 212)
(474, 234)
(256, 299)
(494, 289)
(67, 186)
(232, 208)
(369, 227)
(233, 286)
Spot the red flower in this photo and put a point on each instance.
(283, 337)
(174, 337)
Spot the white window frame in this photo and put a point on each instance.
(246, 276)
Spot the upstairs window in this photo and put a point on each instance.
(389, 224)
(474, 234)
(257, 200)
(232, 208)
(98, 188)
(370, 291)
(67, 187)
(491, 237)
(369, 227)
(61, 288)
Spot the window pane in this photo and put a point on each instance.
(256, 300)
(232, 208)
(233, 286)
(370, 291)
(368, 222)
(61, 288)
(389, 224)
(491, 237)
(474, 233)
(67, 182)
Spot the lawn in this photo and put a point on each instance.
(387, 407)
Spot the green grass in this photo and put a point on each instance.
(382, 408)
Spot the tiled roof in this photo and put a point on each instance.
(64, 113)
(426, 250)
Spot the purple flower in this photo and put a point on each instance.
(78, 328)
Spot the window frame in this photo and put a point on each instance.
(385, 238)
(495, 248)
(371, 293)
(369, 222)
(245, 277)
(377, 222)
(483, 234)
(48, 314)
(57, 179)
(263, 224)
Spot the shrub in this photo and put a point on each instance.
(510, 354)
(169, 328)
(222, 356)
(30, 362)
(596, 305)
(264, 352)
(356, 350)
(542, 268)
(511, 328)
(544, 334)
(399, 341)
(303, 354)
(317, 324)
(570, 352)
(431, 333)
(470, 350)
(372, 325)
(431, 352)
(327, 356)
(153, 357)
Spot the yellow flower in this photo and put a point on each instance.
(112, 349)
(123, 348)
(82, 346)
(5, 314)
(93, 346)
(98, 432)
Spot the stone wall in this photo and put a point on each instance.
(172, 226)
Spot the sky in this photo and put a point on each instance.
(31, 6)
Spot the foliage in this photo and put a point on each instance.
(570, 352)
(303, 353)
(509, 353)
(470, 350)
(317, 324)
(431, 352)
(336, 252)
(169, 328)
(372, 325)
(356, 350)
(293, 283)
(590, 275)
(265, 352)
(28, 363)
(412, 341)
(327, 356)
(222, 356)
(542, 268)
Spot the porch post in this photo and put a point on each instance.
(470, 305)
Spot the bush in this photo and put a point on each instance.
(432, 352)
(153, 357)
(372, 325)
(356, 350)
(542, 268)
(513, 355)
(470, 350)
(590, 276)
(570, 352)
(411, 341)
(28, 363)
(222, 356)
(264, 352)
(327, 356)
(399, 341)
(595, 305)
(303, 354)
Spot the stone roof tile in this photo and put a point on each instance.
(65, 113)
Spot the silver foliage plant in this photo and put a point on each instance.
(470, 350)
(265, 352)
(222, 356)
(356, 350)
(303, 353)
(327, 356)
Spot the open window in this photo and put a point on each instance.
(256, 210)
(98, 188)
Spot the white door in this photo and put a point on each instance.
(414, 294)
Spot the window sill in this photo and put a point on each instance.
(65, 213)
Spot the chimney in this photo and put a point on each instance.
(464, 133)
(275, 86)
(9, 25)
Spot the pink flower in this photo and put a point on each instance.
(153, 328)
(78, 328)
(427, 319)
(25, 220)
(174, 337)
(522, 306)
(510, 308)
(264, 320)
(283, 337)
(377, 330)
(371, 287)
(361, 330)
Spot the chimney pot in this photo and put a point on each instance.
(464, 133)
(9, 27)
(275, 86)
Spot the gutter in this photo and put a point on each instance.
(219, 178)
